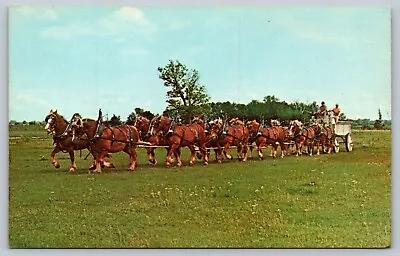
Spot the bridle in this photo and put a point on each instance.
(51, 129)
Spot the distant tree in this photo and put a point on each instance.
(131, 119)
(379, 114)
(378, 123)
(144, 113)
(115, 120)
(342, 116)
(138, 112)
(32, 123)
(185, 95)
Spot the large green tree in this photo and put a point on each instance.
(185, 95)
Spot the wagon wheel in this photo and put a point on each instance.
(349, 143)
(336, 145)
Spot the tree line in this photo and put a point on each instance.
(187, 97)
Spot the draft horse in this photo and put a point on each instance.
(325, 136)
(302, 136)
(148, 132)
(264, 136)
(235, 133)
(104, 139)
(62, 140)
(177, 136)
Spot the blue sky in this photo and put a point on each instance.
(79, 59)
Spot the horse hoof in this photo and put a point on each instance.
(92, 167)
(57, 165)
(205, 163)
(72, 170)
(108, 165)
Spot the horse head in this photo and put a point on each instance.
(50, 121)
(317, 128)
(215, 127)
(164, 123)
(294, 127)
(76, 126)
(142, 124)
(253, 126)
(55, 123)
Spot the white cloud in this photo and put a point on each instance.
(38, 13)
(67, 32)
(28, 99)
(131, 14)
(125, 20)
(118, 25)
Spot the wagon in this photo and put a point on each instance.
(343, 131)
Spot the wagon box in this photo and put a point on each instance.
(343, 130)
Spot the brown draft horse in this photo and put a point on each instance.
(148, 132)
(236, 133)
(264, 136)
(325, 135)
(302, 136)
(104, 139)
(62, 140)
(210, 142)
(177, 136)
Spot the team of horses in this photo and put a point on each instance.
(102, 139)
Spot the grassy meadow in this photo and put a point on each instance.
(338, 200)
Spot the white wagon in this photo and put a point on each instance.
(343, 130)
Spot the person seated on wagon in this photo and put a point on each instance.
(314, 109)
(322, 111)
(336, 112)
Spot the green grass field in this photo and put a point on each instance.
(338, 200)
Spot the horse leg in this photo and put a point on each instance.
(169, 158)
(260, 153)
(72, 157)
(239, 150)
(298, 148)
(275, 149)
(319, 144)
(250, 151)
(151, 155)
(192, 159)
(53, 157)
(133, 159)
(228, 156)
(330, 146)
(206, 155)
(283, 148)
(177, 154)
(244, 150)
(217, 159)
(97, 160)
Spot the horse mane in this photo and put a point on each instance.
(88, 119)
(58, 115)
